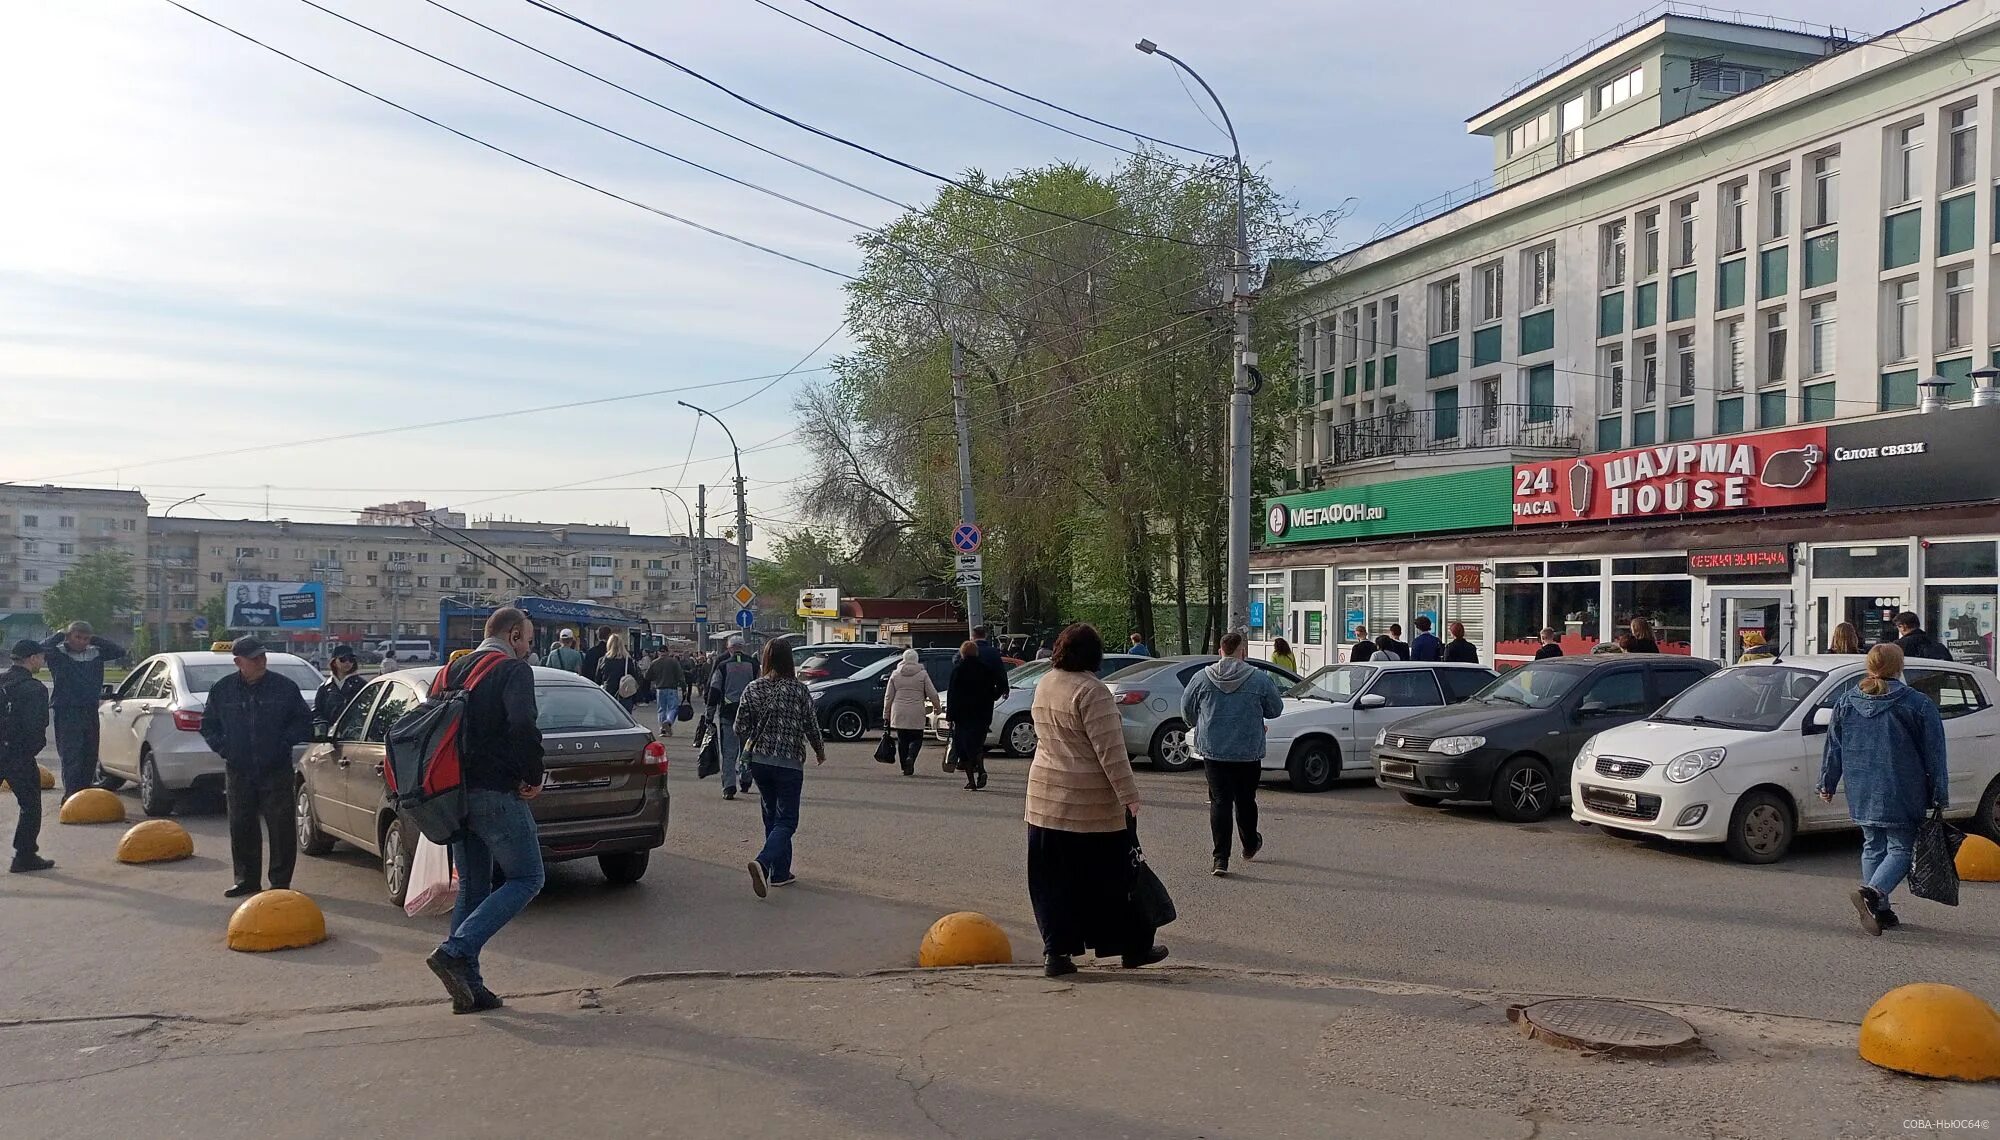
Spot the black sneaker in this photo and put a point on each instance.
(456, 975)
(729, 793)
(758, 883)
(1251, 849)
(1865, 902)
(1221, 868)
(786, 882)
(483, 1000)
(1144, 958)
(980, 777)
(241, 889)
(24, 864)
(1886, 919)
(1058, 965)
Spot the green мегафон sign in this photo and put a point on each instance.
(1461, 500)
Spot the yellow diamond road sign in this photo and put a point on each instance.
(745, 595)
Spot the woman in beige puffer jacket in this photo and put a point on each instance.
(904, 705)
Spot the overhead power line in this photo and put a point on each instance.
(830, 136)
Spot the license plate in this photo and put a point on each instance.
(551, 784)
(1399, 770)
(1609, 795)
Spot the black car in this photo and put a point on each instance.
(839, 662)
(1512, 743)
(850, 706)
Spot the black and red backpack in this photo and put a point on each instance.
(426, 769)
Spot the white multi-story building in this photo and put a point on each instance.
(45, 529)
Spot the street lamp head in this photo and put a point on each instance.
(1147, 46)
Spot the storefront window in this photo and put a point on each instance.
(1887, 561)
(1308, 585)
(1267, 606)
(1667, 604)
(1960, 560)
(1963, 618)
(1624, 566)
(1520, 613)
(1573, 613)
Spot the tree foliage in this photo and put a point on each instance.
(97, 588)
(808, 558)
(1098, 367)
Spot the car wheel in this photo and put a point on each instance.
(1420, 801)
(1170, 748)
(312, 841)
(1760, 829)
(1018, 738)
(847, 723)
(399, 850)
(154, 798)
(1314, 765)
(1523, 790)
(625, 867)
(1987, 819)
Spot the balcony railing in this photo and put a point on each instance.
(1432, 431)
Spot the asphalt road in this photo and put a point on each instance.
(1353, 883)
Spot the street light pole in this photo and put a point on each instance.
(698, 599)
(164, 589)
(742, 500)
(1241, 386)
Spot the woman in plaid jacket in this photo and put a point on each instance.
(776, 722)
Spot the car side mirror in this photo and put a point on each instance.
(107, 693)
(1820, 720)
(1372, 701)
(1593, 708)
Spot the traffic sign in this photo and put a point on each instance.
(967, 538)
(970, 562)
(199, 624)
(700, 609)
(970, 578)
(744, 595)
(701, 619)
(745, 618)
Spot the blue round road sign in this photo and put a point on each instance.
(745, 618)
(967, 538)
(199, 625)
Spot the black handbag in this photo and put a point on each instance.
(1149, 895)
(708, 761)
(1934, 860)
(685, 713)
(885, 749)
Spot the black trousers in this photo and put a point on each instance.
(1232, 787)
(909, 745)
(264, 797)
(76, 744)
(1080, 883)
(968, 746)
(25, 778)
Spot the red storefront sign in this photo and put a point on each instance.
(1740, 473)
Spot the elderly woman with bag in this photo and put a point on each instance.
(905, 700)
(1887, 741)
(1083, 802)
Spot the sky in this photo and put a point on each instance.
(214, 262)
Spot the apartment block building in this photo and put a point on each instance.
(45, 529)
(1720, 257)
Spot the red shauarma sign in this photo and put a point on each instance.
(1740, 473)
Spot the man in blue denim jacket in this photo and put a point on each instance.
(1227, 705)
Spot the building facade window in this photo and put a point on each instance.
(1778, 203)
(1538, 277)
(1649, 372)
(1492, 278)
(1729, 79)
(1824, 206)
(1444, 307)
(1906, 167)
(1649, 243)
(1777, 348)
(1612, 380)
(1732, 355)
(1957, 308)
(1611, 239)
(1444, 414)
(1900, 324)
(1684, 366)
(1729, 215)
(1824, 333)
(1392, 324)
(1686, 213)
(1623, 89)
(1529, 135)
(1962, 142)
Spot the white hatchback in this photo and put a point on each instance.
(1735, 759)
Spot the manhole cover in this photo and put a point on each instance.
(1596, 1025)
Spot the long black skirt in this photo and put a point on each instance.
(1081, 886)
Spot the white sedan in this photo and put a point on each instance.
(149, 727)
(1735, 759)
(1331, 719)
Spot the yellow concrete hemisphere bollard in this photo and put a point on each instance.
(48, 779)
(92, 805)
(1933, 1030)
(966, 938)
(1979, 860)
(154, 841)
(276, 920)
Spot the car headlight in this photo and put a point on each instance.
(1456, 745)
(1688, 765)
(1586, 755)
(1382, 738)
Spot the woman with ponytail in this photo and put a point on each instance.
(1887, 740)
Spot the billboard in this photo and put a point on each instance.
(1914, 460)
(1462, 500)
(275, 605)
(819, 602)
(1738, 473)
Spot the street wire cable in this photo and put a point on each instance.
(914, 50)
(779, 378)
(968, 187)
(974, 94)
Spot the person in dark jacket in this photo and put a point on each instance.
(1887, 741)
(502, 758)
(1385, 649)
(75, 659)
(1396, 642)
(968, 703)
(1916, 641)
(1642, 638)
(1459, 649)
(989, 656)
(253, 719)
(1549, 647)
(669, 682)
(1364, 646)
(342, 682)
(595, 654)
(1425, 646)
(613, 667)
(22, 734)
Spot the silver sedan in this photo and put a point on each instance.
(1013, 730)
(1148, 696)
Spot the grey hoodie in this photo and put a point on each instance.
(1227, 704)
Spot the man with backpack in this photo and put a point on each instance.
(24, 728)
(565, 656)
(253, 718)
(732, 673)
(500, 754)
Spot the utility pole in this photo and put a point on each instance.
(975, 608)
(700, 556)
(1244, 377)
(742, 501)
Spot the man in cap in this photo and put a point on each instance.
(253, 719)
(565, 656)
(76, 658)
(24, 728)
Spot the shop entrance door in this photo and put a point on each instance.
(1308, 631)
(1870, 607)
(1759, 612)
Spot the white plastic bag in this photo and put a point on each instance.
(433, 881)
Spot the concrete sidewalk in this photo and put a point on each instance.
(998, 1052)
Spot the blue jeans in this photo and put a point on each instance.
(779, 788)
(499, 829)
(726, 746)
(670, 708)
(1885, 857)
